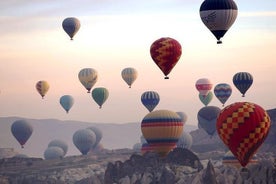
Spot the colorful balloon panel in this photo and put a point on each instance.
(218, 16)
(150, 99)
(166, 52)
(223, 91)
(71, 26)
(206, 99)
(243, 81)
(129, 75)
(42, 87)
(162, 129)
(243, 126)
(203, 85)
(88, 78)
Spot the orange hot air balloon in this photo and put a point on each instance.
(162, 129)
(165, 52)
(243, 127)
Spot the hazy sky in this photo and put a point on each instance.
(118, 34)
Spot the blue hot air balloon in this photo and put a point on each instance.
(243, 81)
(66, 101)
(150, 99)
(22, 131)
(223, 91)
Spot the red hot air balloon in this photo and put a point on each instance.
(165, 52)
(162, 129)
(243, 127)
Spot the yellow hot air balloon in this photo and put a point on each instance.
(162, 129)
(88, 77)
(42, 87)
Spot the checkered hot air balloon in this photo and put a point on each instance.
(162, 129)
(218, 16)
(243, 127)
(166, 52)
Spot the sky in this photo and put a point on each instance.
(118, 34)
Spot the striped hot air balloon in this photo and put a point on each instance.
(166, 52)
(243, 127)
(162, 129)
(203, 85)
(42, 87)
(243, 81)
(150, 99)
(100, 95)
(146, 148)
(88, 77)
(129, 75)
(223, 91)
(218, 16)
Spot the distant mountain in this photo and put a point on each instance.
(115, 136)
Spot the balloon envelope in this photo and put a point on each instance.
(59, 143)
(161, 129)
(166, 52)
(129, 75)
(84, 140)
(231, 160)
(66, 101)
(98, 133)
(185, 140)
(150, 99)
(206, 99)
(53, 152)
(243, 81)
(88, 78)
(71, 26)
(22, 131)
(207, 118)
(223, 91)
(218, 16)
(100, 95)
(42, 87)
(203, 85)
(243, 126)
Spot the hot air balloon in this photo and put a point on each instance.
(185, 140)
(243, 81)
(161, 129)
(150, 99)
(230, 160)
(98, 133)
(88, 77)
(100, 95)
(71, 26)
(66, 101)
(183, 116)
(218, 16)
(84, 140)
(22, 131)
(59, 143)
(129, 75)
(42, 87)
(166, 52)
(203, 85)
(207, 118)
(206, 99)
(146, 148)
(243, 127)
(53, 152)
(223, 91)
